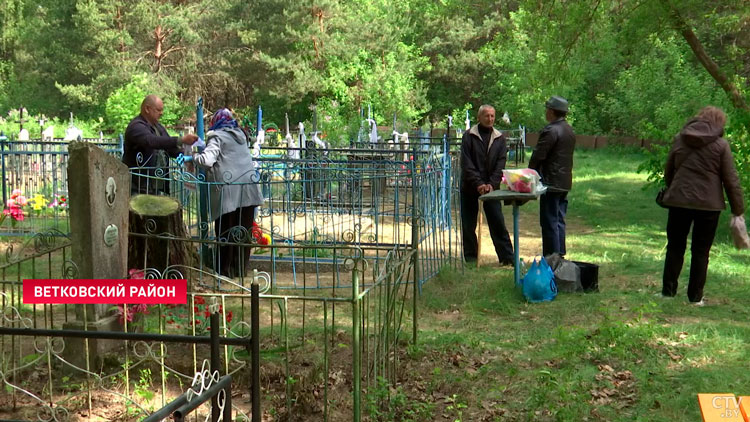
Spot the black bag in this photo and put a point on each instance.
(660, 197)
(589, 276)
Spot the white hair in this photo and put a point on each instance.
(483, 108)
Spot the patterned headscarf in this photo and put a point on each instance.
(222, 119)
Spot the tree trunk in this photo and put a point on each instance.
(160, 219)
(713, 69)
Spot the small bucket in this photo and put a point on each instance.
(589, 276)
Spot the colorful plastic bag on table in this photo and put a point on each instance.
(521, 180)
(539, 283)
(739, 232)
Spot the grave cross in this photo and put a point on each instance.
(42, 121)
(21, 120)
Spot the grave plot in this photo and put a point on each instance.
(349, 250)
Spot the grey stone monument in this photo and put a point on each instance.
(99, 194)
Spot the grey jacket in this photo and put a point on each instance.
(236, 181)
(700, 169)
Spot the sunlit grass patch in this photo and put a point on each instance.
(622, 354)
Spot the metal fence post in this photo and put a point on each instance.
(3, 140)
(356, 351)
(215, 361)
(203, 197)
(415, 220)
(122, 145)
(255, 347)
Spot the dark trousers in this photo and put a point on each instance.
(678, 226)
(230, 259)
(552, 209)
(499, 233)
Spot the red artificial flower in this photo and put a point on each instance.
(199, 300)
(195, 309)
(136, 274)
(206, 314)
(15, 212)
(197, 321)
(229, 316)
(265, 240)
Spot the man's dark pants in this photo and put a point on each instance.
(678, 226)
(552, 209)
(499, 233)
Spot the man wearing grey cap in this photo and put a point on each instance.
(553, 159)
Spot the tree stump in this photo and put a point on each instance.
(160, 219)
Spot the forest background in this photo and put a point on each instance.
(629, 67)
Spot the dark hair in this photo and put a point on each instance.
(558, 113)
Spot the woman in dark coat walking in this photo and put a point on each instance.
(700, 169)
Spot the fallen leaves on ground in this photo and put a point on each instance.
(616, 387)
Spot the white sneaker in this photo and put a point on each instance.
(700, 303)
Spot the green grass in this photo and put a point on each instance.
(484, 354)
(618, 355)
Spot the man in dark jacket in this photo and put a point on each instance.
(553, 159)
(483, 156)
(146, 136)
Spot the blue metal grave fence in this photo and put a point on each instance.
(37, 167)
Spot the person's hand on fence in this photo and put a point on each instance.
(182, 159)
(199, 145)
(189, 139)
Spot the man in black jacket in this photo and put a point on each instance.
(483, 156)
(553, 159)
(146, 136)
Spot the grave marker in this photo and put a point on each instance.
(99, 196)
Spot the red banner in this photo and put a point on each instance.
(151, 292)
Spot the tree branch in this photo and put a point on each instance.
(713, 69)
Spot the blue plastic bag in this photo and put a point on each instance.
(539, 282)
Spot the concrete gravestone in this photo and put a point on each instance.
(23, 135)
(99, 196)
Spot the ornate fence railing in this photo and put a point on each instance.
(350, 197)
(314, 345)
(37, 171)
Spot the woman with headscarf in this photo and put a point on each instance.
(700, 169)
(234, 190)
